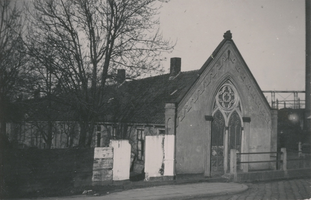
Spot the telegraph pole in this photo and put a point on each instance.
(308, 65)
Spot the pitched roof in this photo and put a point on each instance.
(143, 100)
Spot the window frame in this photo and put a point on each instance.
(140, 143)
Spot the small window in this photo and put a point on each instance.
(98, 139)
(140, 144)
(161, 132)
(114, 133)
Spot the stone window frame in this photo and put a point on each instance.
(237, 106)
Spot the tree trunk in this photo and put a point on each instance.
(49, 136)
(4, 140)
(90, 134)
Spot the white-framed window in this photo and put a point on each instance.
(114, 133)
(140, 144)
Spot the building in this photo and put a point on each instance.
(210, 111)
(223, 109)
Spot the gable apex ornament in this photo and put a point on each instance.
(228, 35)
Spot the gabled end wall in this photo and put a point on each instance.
(193, 131)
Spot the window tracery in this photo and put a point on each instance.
(227, 101)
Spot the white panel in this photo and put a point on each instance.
(169, 151)
(154, 156)
(121, 159)
(102, 164)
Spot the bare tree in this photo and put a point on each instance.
(41, 111)
(14, 74)
(85, 41)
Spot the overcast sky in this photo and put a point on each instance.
(270, 35)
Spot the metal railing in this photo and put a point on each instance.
(283, 160)
(261, 161)
(242, 160)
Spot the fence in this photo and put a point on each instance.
(242, 159)
(278, 160)
(298, 159)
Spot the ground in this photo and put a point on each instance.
(282, 190)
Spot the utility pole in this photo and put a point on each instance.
(308, 65)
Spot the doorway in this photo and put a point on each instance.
(235, 135)
(217, 151)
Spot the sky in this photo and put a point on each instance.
(270, 35)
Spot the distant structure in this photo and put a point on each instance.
(279, 99)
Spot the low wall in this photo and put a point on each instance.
(44, 172)
(102, 165)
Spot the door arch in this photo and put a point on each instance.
(235, 131)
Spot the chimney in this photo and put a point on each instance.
(175, 67)
(121, 76)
